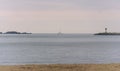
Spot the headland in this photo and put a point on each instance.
(14, 32)
(107, 33)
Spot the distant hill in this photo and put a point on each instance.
(15, 32)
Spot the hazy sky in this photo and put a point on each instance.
(51, 16)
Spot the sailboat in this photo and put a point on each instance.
(60, 30)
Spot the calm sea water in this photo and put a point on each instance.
(58, 49)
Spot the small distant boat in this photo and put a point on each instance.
(107, 33)
(59, 33)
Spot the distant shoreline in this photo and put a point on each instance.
(108, 33)
(14, 32)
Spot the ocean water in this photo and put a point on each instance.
(58, 49)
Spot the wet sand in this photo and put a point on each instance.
(63, 67)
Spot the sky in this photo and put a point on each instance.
(66, 16)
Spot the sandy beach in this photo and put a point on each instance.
(63, 67)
